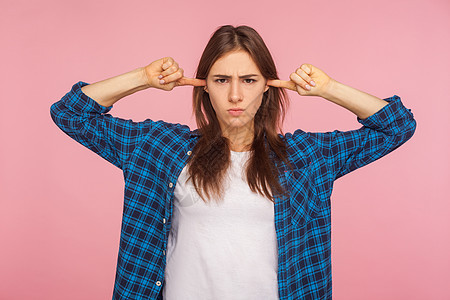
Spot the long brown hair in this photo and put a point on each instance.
(211, 156)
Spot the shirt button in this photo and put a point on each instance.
(164, 252)
(189, 152)
(164, 220)
(158, 283)
(171, 185)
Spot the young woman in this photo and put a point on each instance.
(234, 209)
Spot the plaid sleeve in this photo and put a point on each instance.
(382, 133)
(87, 122)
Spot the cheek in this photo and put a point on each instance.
(214, 102)
(255, 94)
(256, 102)
(216, 98)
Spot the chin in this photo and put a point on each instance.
(235, 124)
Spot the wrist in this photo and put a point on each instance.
(331, 90)
(143, 79)
(360, 103)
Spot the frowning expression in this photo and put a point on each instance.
(236, 87)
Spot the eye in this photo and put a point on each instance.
(220, 80)
(248, 80)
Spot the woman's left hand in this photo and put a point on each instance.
(307, 80)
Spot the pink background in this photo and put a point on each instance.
(61, 205)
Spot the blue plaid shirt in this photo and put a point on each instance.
(153, 153)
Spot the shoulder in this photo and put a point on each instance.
(169, 133)
(297, 144)
(302, 146)
(295, 138)
(161, 125)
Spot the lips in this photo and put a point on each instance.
(235, 111)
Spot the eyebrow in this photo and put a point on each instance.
(228, 77)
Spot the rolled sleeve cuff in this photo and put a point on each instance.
(78, 101)
(388, 114)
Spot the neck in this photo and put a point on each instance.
(240, 138)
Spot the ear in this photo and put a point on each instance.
(266, 88)
(206, 89)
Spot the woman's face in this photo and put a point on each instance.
(236, 87)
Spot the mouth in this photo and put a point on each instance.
(235, 111)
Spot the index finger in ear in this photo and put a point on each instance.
(192, 81)
(282, 83)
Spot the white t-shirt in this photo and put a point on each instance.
(222, 251)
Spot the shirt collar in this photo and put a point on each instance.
(195, 133)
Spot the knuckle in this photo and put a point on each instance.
(295, 77)
(292, 76)
(305, 68)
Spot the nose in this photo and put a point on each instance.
(235, 91)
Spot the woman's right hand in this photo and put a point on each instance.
(165, 74)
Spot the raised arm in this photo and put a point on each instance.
(82, 112)
(309, 80)
(162, 74)
(387, 123)
(109, 91)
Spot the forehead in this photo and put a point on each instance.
(235, 63)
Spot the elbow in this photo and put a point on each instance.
(61, 116)
(406, 126)
(58, 113)
(55, 110)
(405, 132)
(411, 129)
